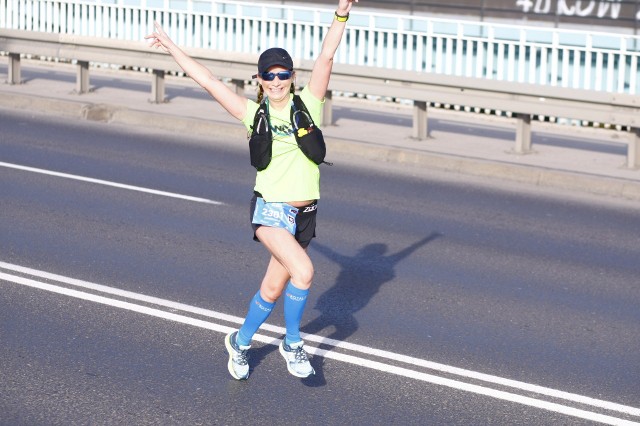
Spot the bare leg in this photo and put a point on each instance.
(275, 280)
(289, 261)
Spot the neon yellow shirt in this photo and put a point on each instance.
(290, 176)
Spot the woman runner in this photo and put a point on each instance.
(288, 188)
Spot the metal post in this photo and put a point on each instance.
(633, 149)
(327, 110)
(420, 123)
(157, 87)
(239, 86)
(523, 134)
(14, 69)
(82, 77)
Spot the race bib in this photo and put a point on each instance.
(278, 215)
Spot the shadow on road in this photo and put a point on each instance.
(360, 278)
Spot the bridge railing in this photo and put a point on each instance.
(536, 55)
(522, 99)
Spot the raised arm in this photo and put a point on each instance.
(235, 104)
(321, 72)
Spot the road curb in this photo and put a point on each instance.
(44, 104)
(177, 124)
(538, 176)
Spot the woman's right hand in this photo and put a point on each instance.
(160, 39)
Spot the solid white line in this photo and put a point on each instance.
(126, 294)
(481, 390)
(549, 406)
(109, 183)
(335, 343)
(528, 387)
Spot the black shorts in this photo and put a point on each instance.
(305, 222)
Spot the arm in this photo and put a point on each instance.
(235, 104)
(324, 62)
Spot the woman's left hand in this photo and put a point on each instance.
(344, 6)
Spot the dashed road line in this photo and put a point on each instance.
(109, 183)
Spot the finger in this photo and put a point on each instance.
(159, 28)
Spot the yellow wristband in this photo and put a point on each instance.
(340, 18)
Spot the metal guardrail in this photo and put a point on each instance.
(521, 99)
(590, 60)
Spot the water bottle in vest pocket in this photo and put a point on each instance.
(309, 138)
(261, 139)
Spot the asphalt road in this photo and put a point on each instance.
(436, 300)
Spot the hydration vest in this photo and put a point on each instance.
(308, 136)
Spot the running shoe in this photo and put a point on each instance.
(238, 364)
(297, 360)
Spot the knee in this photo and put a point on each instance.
(270, 292)
(302, 277)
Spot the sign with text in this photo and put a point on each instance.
(609, 13)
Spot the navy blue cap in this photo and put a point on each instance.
(272, 57)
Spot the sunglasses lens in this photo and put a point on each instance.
(269, 76)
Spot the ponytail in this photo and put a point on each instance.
(260, 94)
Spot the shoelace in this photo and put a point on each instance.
(241, 357)
(300, 355)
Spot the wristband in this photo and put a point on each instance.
(341, 18)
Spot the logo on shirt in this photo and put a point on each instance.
(282, 129)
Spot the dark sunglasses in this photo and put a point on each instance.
(270, 76)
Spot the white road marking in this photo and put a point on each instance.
(109, 183)
(405, 372)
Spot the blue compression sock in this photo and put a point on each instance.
(259, 311)
(294, 304)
